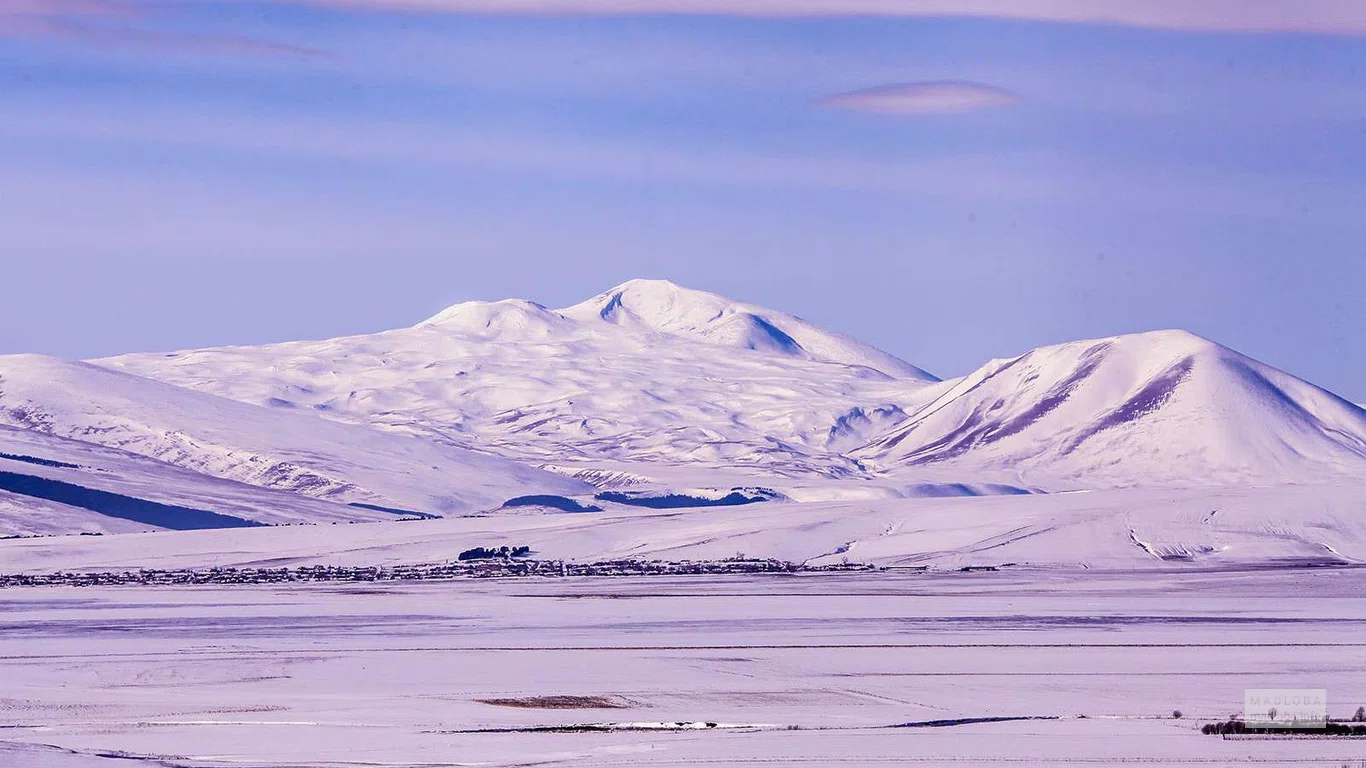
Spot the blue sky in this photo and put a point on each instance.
(181, 174)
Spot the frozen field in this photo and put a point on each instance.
(794, 670)
(1102, 530)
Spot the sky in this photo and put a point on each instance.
(950, 181)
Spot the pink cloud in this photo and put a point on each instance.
(1338, 17)
(116, 23)
(32, 13)
(924, 98)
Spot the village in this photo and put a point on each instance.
(482, 568)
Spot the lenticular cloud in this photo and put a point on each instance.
(922, 98)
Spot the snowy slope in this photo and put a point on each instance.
(647, 373)
(1161, 408)
(275, 449)
(33, 454)
(1125, 529)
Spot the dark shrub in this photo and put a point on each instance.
(485, 553)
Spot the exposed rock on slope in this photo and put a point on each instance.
(1166, 407)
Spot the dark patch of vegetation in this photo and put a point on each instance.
(950, 722)
(120, 506)
(591, 728)
(394, 510)
(484, 553)
(557, 702)
(561, 503)
(40, 462)
(1238, 727)
(677, 500)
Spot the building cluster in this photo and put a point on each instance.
(460, 569)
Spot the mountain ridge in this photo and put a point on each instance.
(661, 306)
(679, 391)
(651, 374)
(645, 372)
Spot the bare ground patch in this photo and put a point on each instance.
(559, 702)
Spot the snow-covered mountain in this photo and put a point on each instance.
(649, 377)
(57, 485)
(223, 439)
(647, 373)
(651, 387)
(1166, 407)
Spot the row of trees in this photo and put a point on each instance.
(1357, 726)
(484, 553)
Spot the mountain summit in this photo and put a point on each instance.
(1164, 406)
(663, 307)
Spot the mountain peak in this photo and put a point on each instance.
(1174, 340)
(1161, 405)
(659, 304)
(491, 318)
(652, 284)
(662, 306)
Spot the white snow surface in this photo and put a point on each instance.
(1076, 542)
(1112, 530)
(807, 671)
(118, 471)
(276, 449)
(1160, 408)
(647, 372)
(653, 388)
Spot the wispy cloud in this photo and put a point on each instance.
(123, 23)
(41, 17)
(1336, 17)
(1333, 17)
(501, 152)
(923, 98)
(477, 154)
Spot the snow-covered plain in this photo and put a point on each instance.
(793, 670)
(1172, 523)
(1182, 530)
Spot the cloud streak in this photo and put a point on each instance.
(114, 20)
(940, 97)
(120, 24)
(426, 148)
(1334, 17)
